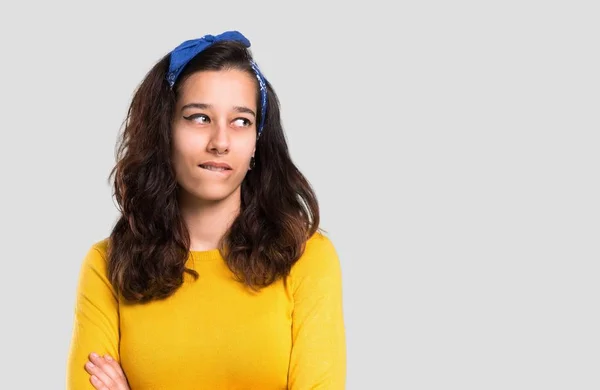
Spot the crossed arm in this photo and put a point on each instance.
(318, 356)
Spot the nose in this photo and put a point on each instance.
(219, 139)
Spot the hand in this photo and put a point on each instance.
(106, 373)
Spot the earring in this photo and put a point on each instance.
(252, 163)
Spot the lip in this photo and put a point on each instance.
(216, 164)
(224, 173)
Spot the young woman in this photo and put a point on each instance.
(216, 275)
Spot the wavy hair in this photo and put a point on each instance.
(149, 243)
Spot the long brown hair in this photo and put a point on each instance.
(149, 244)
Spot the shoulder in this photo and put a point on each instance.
(319, 246)
(101, 247)
(93, 276)
(319, 259)
(96, 255)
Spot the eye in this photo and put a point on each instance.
(242, 122)
(198, 118)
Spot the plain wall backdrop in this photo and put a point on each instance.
(453, 147)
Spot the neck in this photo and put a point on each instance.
(208, 221)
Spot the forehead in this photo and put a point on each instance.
(228, 87)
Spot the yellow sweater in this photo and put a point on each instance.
(213, 333)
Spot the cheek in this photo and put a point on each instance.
(185, 145)
(181, 154)
(245, 146)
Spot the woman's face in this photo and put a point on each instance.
(214, 123)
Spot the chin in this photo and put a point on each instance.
(208, 190)
(214, 194)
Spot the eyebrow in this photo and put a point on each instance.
(204, 106)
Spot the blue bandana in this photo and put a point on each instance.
(186, 51)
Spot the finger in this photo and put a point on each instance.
(121, 381)
(115, 365)
(96, 371)
(107, 368)
(97, 383)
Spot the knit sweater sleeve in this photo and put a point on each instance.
(96, 318)
(318, 357)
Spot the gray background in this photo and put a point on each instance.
(453, 147)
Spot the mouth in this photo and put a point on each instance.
(215, 167)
